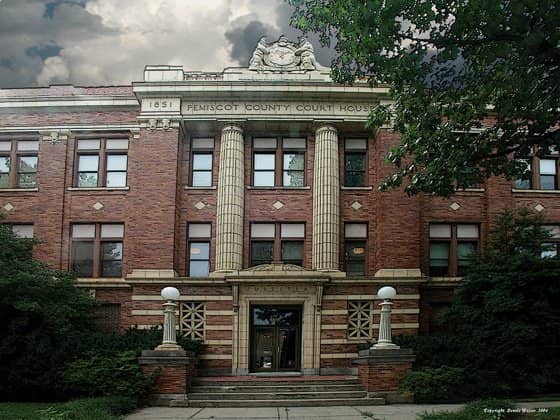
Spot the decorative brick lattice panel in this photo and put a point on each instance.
(360, 319)
(192, 320)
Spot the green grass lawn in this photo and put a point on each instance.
(105, 408)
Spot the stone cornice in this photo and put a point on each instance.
(70, 101)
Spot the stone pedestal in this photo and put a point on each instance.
(382, 370)
(176, 371)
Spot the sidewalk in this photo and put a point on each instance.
(383, 412)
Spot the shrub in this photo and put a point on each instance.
(436, 384)
(107, 375)
(133, 339)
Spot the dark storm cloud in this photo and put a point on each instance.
(244, 37)
(245, 32)
(34, 30)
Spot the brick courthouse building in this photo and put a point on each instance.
(253, 191)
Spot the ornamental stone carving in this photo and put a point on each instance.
(284, 56)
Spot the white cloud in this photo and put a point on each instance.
(110, 42)
(54, 70)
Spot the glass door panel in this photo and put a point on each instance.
(264, 349)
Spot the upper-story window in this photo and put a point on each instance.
(452, 248)
(97, 249)
(18, 163)
(202, 151)
(279, 162)
(101, 163)
(199, 249)
(355, 162)
(540, 174)
(551, 248)
(277, 242)
(355, 241)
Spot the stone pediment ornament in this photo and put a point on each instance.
(276, 267)
(284, 56)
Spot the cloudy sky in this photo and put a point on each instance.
(97, 42)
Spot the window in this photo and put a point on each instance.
(18, 163)
(274, 242)
(23, 231)
(452, 248)
(551, 248)
(101, 163)
(97, 250)
(355, 239)
(202, 157)
(279, 166)
(360, 319)
(199, 249)
(355, 162)
(540, 174)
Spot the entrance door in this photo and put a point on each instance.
(275, 338)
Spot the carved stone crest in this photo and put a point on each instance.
(284, 56)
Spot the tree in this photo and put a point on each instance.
(507, 310)
(502, 328)
(490, 67)
(42, 313)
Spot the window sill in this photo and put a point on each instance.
(18, 190)
(356, 188)
(536, 191)
(98, 188)
(278, 188)
(200, 188)
(470, 190)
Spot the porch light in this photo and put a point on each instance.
(170, 294)
(384, 342)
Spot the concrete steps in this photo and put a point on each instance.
(279, 392)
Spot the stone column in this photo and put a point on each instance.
(229, 212)
(326, 186)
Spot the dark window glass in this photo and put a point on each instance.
(263, 174)
(354, 169)
(439, 258)
(292, 252)
(199, 259)
(111, 259)
(4, 171)
(293, 171)
(27, 171)
(202, 170)
(355, 258)
(466, 252)
(524, 183)
(82, 258)
(262, 252)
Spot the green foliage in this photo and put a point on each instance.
(503, 321)
(108, 375)
(452, 67)
(436, 384)
(103, 408)
(39, 308)
(106, 408)
(477, 410)
(133, 339)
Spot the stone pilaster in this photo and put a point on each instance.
(326, 186)
(229, 212)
